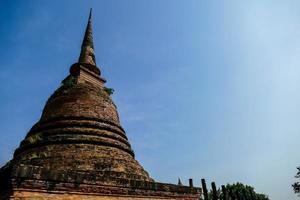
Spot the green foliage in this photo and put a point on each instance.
(243, 191)
(296, 186)
(34, 138)
(69, 82)
(66, 84)
(33, 155)
(109, 91)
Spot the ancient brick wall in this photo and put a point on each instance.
(44, 195)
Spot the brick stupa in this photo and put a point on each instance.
(78, 149)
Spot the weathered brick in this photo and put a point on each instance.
(78, 149)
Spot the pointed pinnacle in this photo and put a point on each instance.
(87, 54)
(179, 182)
(90, 15)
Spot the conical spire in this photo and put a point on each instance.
(87, 54)
(179, 182)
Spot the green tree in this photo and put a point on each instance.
(240, 191)
(296, 185)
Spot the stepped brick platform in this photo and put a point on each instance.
(78, 149)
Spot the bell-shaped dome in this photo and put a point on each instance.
(79, 130)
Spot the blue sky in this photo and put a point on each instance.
(204, 88)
